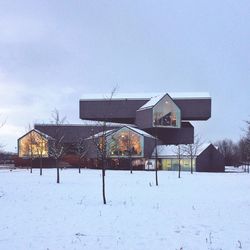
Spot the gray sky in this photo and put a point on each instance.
(52, 52)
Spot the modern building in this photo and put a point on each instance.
(132, 125)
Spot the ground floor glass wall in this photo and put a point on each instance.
(173, 164)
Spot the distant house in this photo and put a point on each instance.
(207, 159)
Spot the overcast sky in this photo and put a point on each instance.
(52, 52)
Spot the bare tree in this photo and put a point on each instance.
(247, 137)
(57, 147)
(156, 156)
(229, 150)
(129, 147)
(179, 153)
(32, 146)
(191, 150)
(40, 147)
(101, 143)
(244, 148)
(81, 151)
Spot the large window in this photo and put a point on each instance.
(33, 144)
(125, 143)
(166, 113)
(173, 164)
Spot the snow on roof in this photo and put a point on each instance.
(106, 133)
(86, 123)
(139, 131)
(171, 150)
(147, 96)
(152, 102)
(164, 150)
(42, 134)
(111, 131)
(189, 95)
(108, 124)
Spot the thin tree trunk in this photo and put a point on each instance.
(179, 174)
(103, 182)
(31, 165)
(156, 158)
(79, 170)
(156, 172)
(41, 169)
(58, 173)
(131, 167)
(191, 163)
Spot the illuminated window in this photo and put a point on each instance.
(125, 143)
(166, 113)
(33, 144)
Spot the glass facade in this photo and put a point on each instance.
(166, 113)
(33, 145)
(125, 143)
(173, 164)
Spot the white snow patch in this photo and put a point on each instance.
(196, 212)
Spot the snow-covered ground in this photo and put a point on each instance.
(199, 211)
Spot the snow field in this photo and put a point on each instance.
(199, 211)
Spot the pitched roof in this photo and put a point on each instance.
(109, 132)
(171, 150)
(139, 131)
(152, 102)
(39, 132)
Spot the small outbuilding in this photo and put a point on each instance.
(210, 160)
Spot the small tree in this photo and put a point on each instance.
(191, 150)
(179, 153)
(31, 144)
(40, 146)
(81, 151)
(57, 148)
(156, 157)
(228, 149)
(129, 146)
(101, 144)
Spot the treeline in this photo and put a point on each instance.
(236, 153)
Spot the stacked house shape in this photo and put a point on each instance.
(134, 122)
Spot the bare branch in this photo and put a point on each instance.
(56, 119)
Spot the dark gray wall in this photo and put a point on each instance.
(210, 160)
(125, 110)
(144, 118)
(149, 145)
(183, 135)
(110, 110)
(72, 133)
(194, 109)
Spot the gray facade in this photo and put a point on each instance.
(210, 160)
(183, 135)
